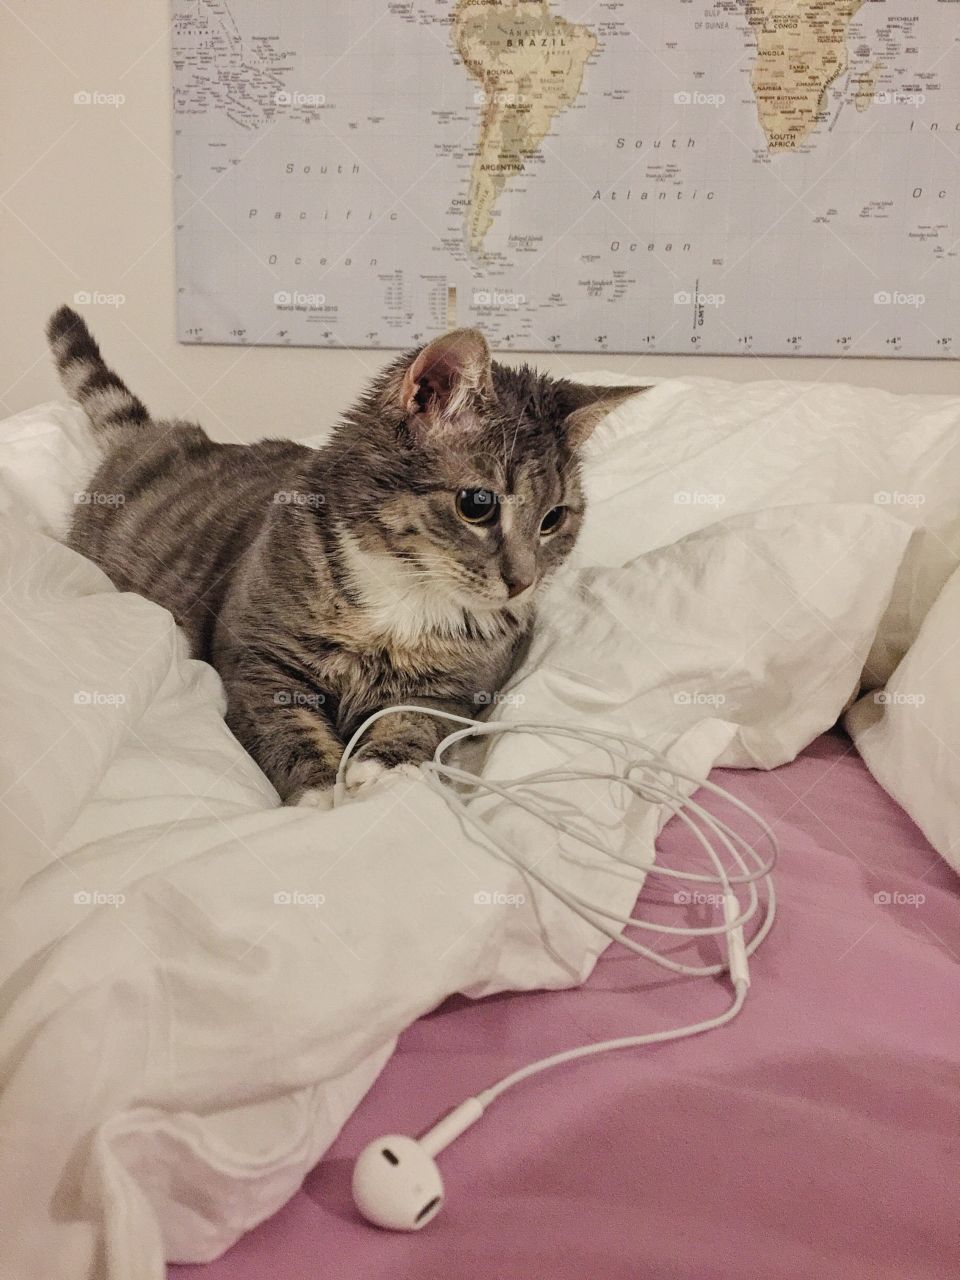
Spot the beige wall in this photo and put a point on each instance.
(87, 205)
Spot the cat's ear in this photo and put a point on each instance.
(584, 407)
(447, 376)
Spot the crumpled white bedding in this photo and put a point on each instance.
(197, 985)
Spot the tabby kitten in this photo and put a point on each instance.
(397, 564)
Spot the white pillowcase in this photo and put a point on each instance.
(909, 733)
(692, 451)
(47, 455)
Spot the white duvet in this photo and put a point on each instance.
(198, 986)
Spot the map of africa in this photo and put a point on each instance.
(744, 176)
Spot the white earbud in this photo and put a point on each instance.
(396, 1182)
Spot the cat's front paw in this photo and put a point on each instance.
(316, 798)
(365, 773)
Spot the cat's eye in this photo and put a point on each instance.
(552, 521)
(477, 506)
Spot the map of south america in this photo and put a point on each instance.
(529, 65)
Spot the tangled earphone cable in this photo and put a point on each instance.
(396, 1182)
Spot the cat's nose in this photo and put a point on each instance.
(516, 587)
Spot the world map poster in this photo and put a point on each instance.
(747, 176)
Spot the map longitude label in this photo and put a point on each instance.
(767, 177)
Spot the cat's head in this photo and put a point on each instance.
(460, 476)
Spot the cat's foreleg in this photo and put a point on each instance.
(290, 737)
(401, 741)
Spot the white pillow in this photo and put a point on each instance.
(47, 456)
(692, 451)
(909, 732)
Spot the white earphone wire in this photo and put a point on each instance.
(661, 782)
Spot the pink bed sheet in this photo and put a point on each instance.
(816, 1136)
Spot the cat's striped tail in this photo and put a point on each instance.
(105, 399)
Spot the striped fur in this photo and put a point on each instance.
(325, 584)
(105, 399)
